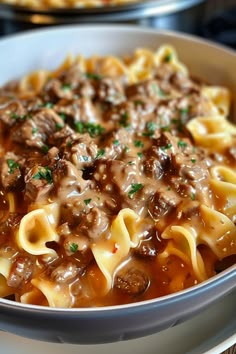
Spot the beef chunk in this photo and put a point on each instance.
(65, 272)
(21, 271)
(11, 176)
(80, 149)
(146, 89)
(162, 203)
(77, 110)
(183, 83)
(109, 90)
(11, 112)
(132, 281)
(94, 223)
(115, 174)
(10, 225)
(68, 179)
(146, 249)
(38, 183)
(55, 90)
(36, 131)
(153, 168)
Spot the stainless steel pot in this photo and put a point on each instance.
(181, 15)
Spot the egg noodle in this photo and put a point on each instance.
(118, 180)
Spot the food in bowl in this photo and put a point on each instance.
(44, 4)
(117, 181)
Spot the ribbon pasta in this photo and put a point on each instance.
(35, 231)
(110, 253)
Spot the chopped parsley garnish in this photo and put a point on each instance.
(157, 90)
(140, 154)
(34, 130)
(135, 187)
(92, 129)
(12, 165)
(126, 148)
(193, 160)
(138, 102)
(48, 105)
(138, 143)
(69, 143)
(168, 146)
(165, 128)
(182, 144)
(100, 153)
(18, 116)
(116, 142)
(62, 115)
(131, 162)
(192, 196)
(66, 87)
(124, 120)
(59, 126)
(74, 247)
(168, 57)
(45, 149)
(93, 76)
(87, 201)
(44, 173)
(184, 114)
(150, 129)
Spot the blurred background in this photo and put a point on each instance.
(213, 19)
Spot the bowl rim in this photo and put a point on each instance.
(195, 290)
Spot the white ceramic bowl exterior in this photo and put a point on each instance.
(47, 48)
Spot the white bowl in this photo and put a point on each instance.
(46, 49)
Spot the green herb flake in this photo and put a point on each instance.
(74, 247)
(138, 143)
(135, 187)
(157, 90)
(166, 147)
(17, 116)
(92, 129)
(44, 173)
(66, 87)
(193, 160)
(150, 129)
(69, 143)
(182, 144)
(168, 57)
(62, 115)
(126, 148)
(184, 111)
(59, 126)
(93, 76)
(124, 120)
(45, 149)
(48, 105)
(192, 196)
(100, 153)
(131, 163)
(34, 130)
(116, 142)
(165, 128)
(87, 201)
(140, 154)
(138, 102)
(12, 165)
